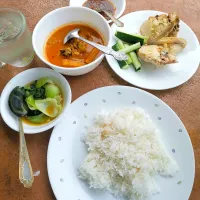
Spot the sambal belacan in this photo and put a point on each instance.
(99, 5)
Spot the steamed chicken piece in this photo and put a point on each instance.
(164, 50)
(162, 45)
(156, 55)
(174, 44)
(160, 26)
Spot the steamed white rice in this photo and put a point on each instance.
(125, 154)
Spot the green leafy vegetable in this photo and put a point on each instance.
(38, 119)
(33, 112)
(39, 93)
(51, 90)
(38, 101)
(41, 82)
(27, 87)
(49, 107)
(31, 89)
(27, 93)
(31, 102)
(59, 99)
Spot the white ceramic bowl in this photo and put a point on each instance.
(24, 78)
(119, 4)
(67, 15)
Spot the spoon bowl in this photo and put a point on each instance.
(71, 34)
(107, 50)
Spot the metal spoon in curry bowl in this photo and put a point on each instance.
(117, 55)
(19, 108)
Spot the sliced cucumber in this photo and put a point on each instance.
(121, 46)
(136, 63)
(130, 38)
(126, 45)
(123, 64)
(131, 48)
(115, 47)
(142, 36)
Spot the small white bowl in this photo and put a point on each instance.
(67, 15)
(24, 78)
(119, 4)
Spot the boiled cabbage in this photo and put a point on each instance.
(43, 81)
(31, 102)
(49, 107)
(38, 119)
(51, 90)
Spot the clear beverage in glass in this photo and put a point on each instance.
(15, 39)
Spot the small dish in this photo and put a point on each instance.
(119, 4)
(69, 15)
(150, 76)
(24, 78)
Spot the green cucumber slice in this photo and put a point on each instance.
(131, 48)
(130, 38)
(123, 64)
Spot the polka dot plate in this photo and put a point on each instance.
(66, 150)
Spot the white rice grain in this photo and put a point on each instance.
(125, 154)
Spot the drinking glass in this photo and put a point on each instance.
(15, 39)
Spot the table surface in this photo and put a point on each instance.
(184, 100)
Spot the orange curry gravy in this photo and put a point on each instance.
(75, 53)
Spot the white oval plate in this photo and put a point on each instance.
(119, 4)
(152, 77)
(66, 151)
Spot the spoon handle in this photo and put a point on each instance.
(117, 55)
(25, 169)
(115, 20)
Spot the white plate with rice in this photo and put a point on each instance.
(136, 147)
